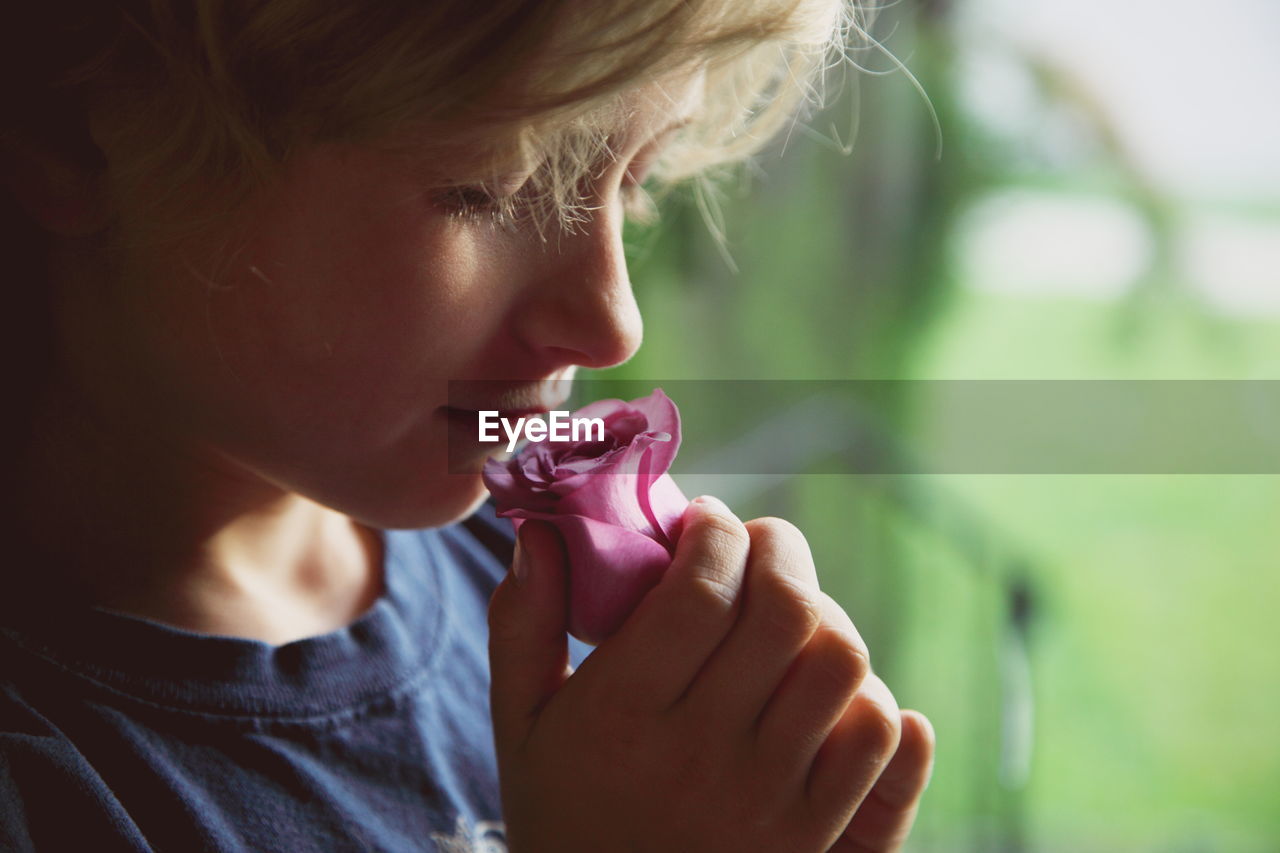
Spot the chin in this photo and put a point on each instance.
(448, 501)
(409, 489)
(480, 496)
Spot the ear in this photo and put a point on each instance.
(62, 195)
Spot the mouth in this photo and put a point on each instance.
(515, 403)
(464, 424)
(510, 402)
(472, 416)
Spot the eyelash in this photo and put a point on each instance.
(476, 203)
(470, 202)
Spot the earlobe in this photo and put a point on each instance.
(60, 195)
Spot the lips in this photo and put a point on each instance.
(515, 404)
(467, 421)
(512, 401)
(472, 416)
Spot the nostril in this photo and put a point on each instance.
(597, 345)
(579, 308)
(617, 333)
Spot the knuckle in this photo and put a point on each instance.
(712, 591)
(834, 616)
(924, 731)
(719, 536)
(835, 619)
(792, 608)
(879, 725)
(777, 534)
(844, 658)
(714, 562)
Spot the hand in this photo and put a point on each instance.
(735, 710)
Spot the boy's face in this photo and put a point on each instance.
(317, 358)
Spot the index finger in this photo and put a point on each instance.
(660, 649)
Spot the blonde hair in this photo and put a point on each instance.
(207, 99)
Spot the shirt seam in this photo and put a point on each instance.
(386, 696)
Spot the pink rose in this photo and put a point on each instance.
(615, 505)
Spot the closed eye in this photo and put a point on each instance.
(468, 201)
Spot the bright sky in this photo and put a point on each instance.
(1194, 86)
(1194, 90)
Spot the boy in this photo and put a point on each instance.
(257, 240)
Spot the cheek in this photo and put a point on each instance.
(344, 306)
(318, 353)
(327, 376)
(344, 396)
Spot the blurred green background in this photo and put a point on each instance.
(1099, 653)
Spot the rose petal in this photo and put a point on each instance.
(659, 410)
(626, 424)
(511, 487)
(572, 478)
(663, 416)
(610, 494)
(602, 409)
(613, 501)
(610, 570)
(666, 506)
(499, 479)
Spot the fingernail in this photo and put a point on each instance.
(520, 564)
(713, 504)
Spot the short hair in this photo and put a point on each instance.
(208, 98)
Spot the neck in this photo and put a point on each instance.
(142, 525)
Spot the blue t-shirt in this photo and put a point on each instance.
(118, 733)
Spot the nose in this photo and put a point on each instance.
(579, 308)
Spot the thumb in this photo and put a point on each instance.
(528, 651)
